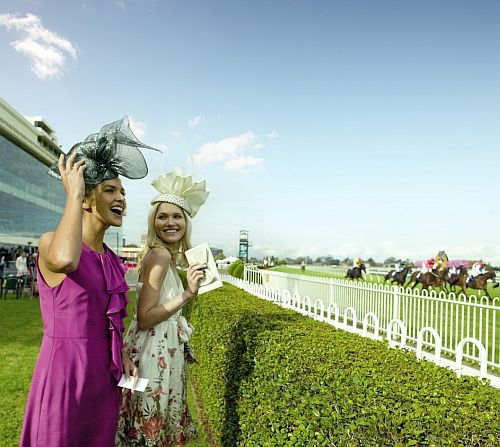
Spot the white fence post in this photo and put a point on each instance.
(395, 303)
(365, 332)
(402, 327)
(482, 356)
(352, 312)
(420, 342)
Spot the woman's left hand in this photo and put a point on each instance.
(129, 369)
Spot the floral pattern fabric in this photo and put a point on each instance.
(159, 416)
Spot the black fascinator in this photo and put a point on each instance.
(111, 152)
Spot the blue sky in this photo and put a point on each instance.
(344, 128)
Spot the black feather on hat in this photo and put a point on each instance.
(111, 152)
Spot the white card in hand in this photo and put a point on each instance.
(140, 385)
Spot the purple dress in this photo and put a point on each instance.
(73, 399)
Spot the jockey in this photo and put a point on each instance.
(428, 265)
(453, 270)
(402, 264)
(478, 268)
(357, 262)
(441, 261)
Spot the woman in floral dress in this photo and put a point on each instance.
(157, 337)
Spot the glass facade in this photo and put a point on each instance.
(31, 201)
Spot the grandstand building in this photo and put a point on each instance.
(31, 201)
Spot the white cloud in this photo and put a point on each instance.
(225, 149)
(195, 121)
(273, 135)
(175, 133)
(46, 49)
(243, 163)
(138, 127)
(235, 152)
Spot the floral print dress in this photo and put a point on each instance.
(159, 416)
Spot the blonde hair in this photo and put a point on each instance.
(153, 241)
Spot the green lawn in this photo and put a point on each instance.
(21, 329)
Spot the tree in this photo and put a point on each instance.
(389, 261)
(371, 262)
(219, 256)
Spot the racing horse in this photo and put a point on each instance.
(479, 282)
(458, 279)
(388, 275)
(398, 277)
(356, 272)
(427, 279)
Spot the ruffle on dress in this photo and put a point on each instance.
(116, 288)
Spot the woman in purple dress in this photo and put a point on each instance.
(74, 399)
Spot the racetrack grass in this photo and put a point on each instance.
(21, 329)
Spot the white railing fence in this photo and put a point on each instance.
(445, 328)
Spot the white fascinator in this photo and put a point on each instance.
(181, 190)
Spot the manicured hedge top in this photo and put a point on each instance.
(270, 377)
(236, 269)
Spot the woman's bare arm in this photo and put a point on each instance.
(154, 269)
(60, 251)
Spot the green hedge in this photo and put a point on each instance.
(270, 377)
(236, 269)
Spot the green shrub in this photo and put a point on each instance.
(232, 266)
(270, 377)
(236, 269)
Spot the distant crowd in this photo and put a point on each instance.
(20, 260)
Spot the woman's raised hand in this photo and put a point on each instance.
(195, 274)
(72, 176)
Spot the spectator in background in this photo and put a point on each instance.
(3, 263)
(21, 264)
(31, 262)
